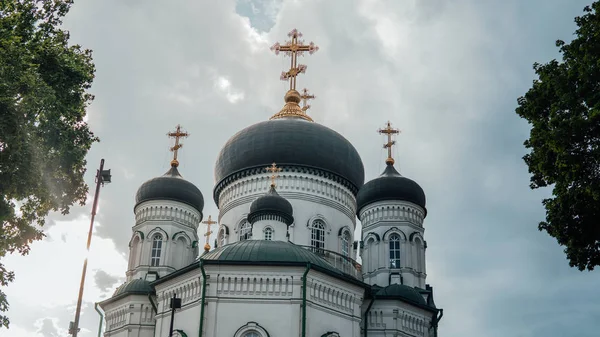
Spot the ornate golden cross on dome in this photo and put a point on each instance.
(293, 48)
(177, 134)
(208, 231)
(305, 97)
(389, 131)
(274, 170)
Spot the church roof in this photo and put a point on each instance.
(289, 142)
(134, 287)
(402, 292)
(390, 185)
(265, 252)
(171, 186)
(271, 204)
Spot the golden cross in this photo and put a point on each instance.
(305, 97)
(177, 134)
(208, 231)
(273, 169)
(389, 131)
(293, 48)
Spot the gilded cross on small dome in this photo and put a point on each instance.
(208, 231)
(177, 134)
(273, 169)
(389, 131)
(293, 48)
(305, 97)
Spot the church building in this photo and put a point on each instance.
(284, 263)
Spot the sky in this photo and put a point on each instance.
(446, 73)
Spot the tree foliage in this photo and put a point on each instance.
(563, 107)
(43, 136)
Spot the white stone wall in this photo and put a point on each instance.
(130, 316)
(239, 298)
(396, 318)
(177, 223)
(278, 230)
(312, 197)
(382, 219)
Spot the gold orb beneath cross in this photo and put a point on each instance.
(207, 247)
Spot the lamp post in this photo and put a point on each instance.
(175, 304)
(102, 176)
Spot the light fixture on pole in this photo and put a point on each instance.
(102, 177)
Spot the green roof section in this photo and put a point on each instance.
(267, 252)
(403, 292)
(134, 287)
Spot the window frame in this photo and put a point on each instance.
(317, 227)
(268, 231)
(156, 250)
(245, 230)
(345, 239)
(394, 253)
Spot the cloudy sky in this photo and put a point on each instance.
(447, 73)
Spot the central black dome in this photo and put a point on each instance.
(290, 142)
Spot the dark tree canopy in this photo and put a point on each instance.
(43, 136)
(563, 107)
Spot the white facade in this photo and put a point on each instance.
(164, 239)
(266, 300)
(393, 246)
(317, 201)
(246, 298)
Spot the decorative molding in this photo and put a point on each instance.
(189, 292)
(166, 211)
(391, 231)
(396, 211)
(153, 232)
(251, 326)
(372, 235)
(344, 228)
(264, 286)
(319, 188)
(140, 234)
(412, 236)
(330, 296)
(319, 217)
(226, 182)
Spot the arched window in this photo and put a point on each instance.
(184, 260)
(251, 329)
(245, 231)
(156, 250)
(221, 238)
(317, 239)
(134, 252)
(394, 251)
(419, 248)
(268, 234)
(346, 243)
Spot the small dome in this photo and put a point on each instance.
(390, 185)
(403, 292)
(289, 142)
(171, 186)
(266, 252)
(134, 287)
(271, 204)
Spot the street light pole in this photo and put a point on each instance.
(175, 304)
(102, 176)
